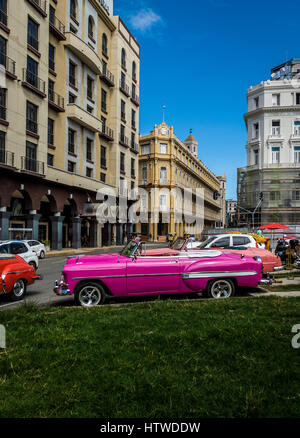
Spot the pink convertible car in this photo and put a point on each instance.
(91, 279)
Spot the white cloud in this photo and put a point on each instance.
(145, 19)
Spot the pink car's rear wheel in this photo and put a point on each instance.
(89, 294)
(221, 288)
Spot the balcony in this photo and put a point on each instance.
(7, 158)
(123, 140)
(34, 83)
(107, 133)
(135, 99)
(57, 28)
(84, 118)
(40, 6)
(56, 101)
(84, 52)
(32, 166)
(107, 77)
(9, 65)
(134, 147)
(124, 88)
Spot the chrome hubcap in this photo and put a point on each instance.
(19, 288)
(221, 289)
(89, 296)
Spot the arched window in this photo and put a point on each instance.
(73, 8)
(91, 27)
(134, 70)
(104, 44)
(123, 58)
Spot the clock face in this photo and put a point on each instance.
(164, 131)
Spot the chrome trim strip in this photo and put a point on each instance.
(18, 272)
(217, 274)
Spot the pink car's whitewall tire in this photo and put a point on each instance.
(89, 294)
(220, 288)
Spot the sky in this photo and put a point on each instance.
(198, 58)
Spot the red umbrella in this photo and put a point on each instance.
(274, 227)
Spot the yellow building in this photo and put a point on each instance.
(69, 118)
(167, 164)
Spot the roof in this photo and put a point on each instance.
(190, 138)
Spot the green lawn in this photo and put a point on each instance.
(180, 358)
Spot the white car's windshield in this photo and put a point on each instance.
(206, 242)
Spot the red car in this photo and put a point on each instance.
(270, 261)
(15, 276)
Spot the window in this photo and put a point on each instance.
(256, 102)
(240, 240)
(144, 175)
(31, 117)
(89, 149)
(72, 74)
(297, 98)
(123, 58)
(103, 120)
(90, 88)
(91, 26)
(275, 127)
(133, 91)
(132, 168)
(2, 147)
(103, 100)
(163, 175)
(71, 167)
(71, 141)
(33, 34)
(256, 156)
(297, 154)
(89, 172)
(122, 133)
(145, 149)
(275, 99)
(134, 70)
(103, 157)
(3, 45)
(51, 90)
(50, 160)
(73, 9)
(163, 202)
(122, 80)
(221, 243)
(72, 98)
(18, 248)
(133, 119)
(3, 93)
(163, 148)
(31, 153)
(32, 72)
(102, 177)
(51, 132)
(3, 12)
(104, 45)
(255, 132)
(275, 196)
(133, 140)
(296, 128)
(123, 116)
(296, 195)
(51, 57)
(122, 162)
(275, 155)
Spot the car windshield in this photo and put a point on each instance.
(178, 244)
(206, 242)
(130, 248)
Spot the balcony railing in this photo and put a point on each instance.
(107, 77)
(107, 133)
(31, 165)
(7, 158)
(8, 63)
(34, 82)
(134, 147)
(56, 101)
(3, 17)
(124, 88)
(33, 41)
(135, 99)
(124, 140)
(57, 27)
(32, 126)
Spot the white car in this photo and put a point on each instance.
(229, 240)
(22, 249)
(37, 247)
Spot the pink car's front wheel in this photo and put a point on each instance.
(89, 294)
(220, 288)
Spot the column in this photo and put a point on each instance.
(33, 220)
(57, 232)
(76, 232)
(93, 233)
(4, 224)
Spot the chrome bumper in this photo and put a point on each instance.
(278, 268)
(266, 282)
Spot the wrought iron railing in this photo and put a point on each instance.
(7, 157)
(33, 80)
(32, 165)
(56, 99)
(8, 63)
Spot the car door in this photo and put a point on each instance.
(152, 275)
(222, 242)
(34, 245)
(20, 249)
(241, 241)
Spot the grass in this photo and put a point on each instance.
(277, 287)
(176, 359)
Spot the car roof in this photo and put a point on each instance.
(233, 235)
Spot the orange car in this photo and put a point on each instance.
(15, 276)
